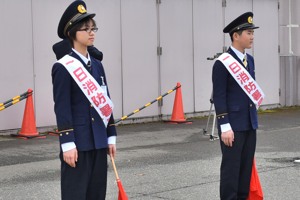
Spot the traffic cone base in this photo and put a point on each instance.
(25, 137)
(178, 114)
(178, 122)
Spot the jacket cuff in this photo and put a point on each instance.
(111, 130)
(223, 118)
(66, 136)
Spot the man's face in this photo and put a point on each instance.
(245, 40)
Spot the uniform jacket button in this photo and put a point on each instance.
(93, 119)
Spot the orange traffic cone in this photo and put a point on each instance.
(28, 129)
(178, 114)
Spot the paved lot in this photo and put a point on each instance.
(159, 161)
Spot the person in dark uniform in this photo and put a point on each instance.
(85, 138)
(236, 113)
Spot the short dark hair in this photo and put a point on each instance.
(78, 26)
(238, 32)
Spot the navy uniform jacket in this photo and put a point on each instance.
(231, 103)
(77, 120)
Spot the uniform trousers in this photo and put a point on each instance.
(87, 181)
(236, 165)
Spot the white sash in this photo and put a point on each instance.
(89, 86)
(243, 78)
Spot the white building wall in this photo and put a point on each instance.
(17, 59)
(208, 40)
(284, 30)
(265, 49)
(289, 41)
(176, 40)
(44, 27)
(129, 33)
(139, 58)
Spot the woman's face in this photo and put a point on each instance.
(85, 36)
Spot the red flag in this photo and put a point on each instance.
(255, 192)
(122, 193)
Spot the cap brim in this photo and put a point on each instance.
(80, 18)
(240, 28)
(246, 28)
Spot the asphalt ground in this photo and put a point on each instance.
(160, 161)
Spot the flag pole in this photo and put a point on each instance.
(122, 193)
(114, 167)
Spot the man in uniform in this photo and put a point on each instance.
(83, 109)
(236, 112)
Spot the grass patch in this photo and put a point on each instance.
(274, 110)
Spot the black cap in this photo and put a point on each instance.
(75, 12)
(243, 22)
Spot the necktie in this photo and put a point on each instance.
(245, 62)
(89, 65)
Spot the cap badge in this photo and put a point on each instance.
(81, 9)
(250, 20)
